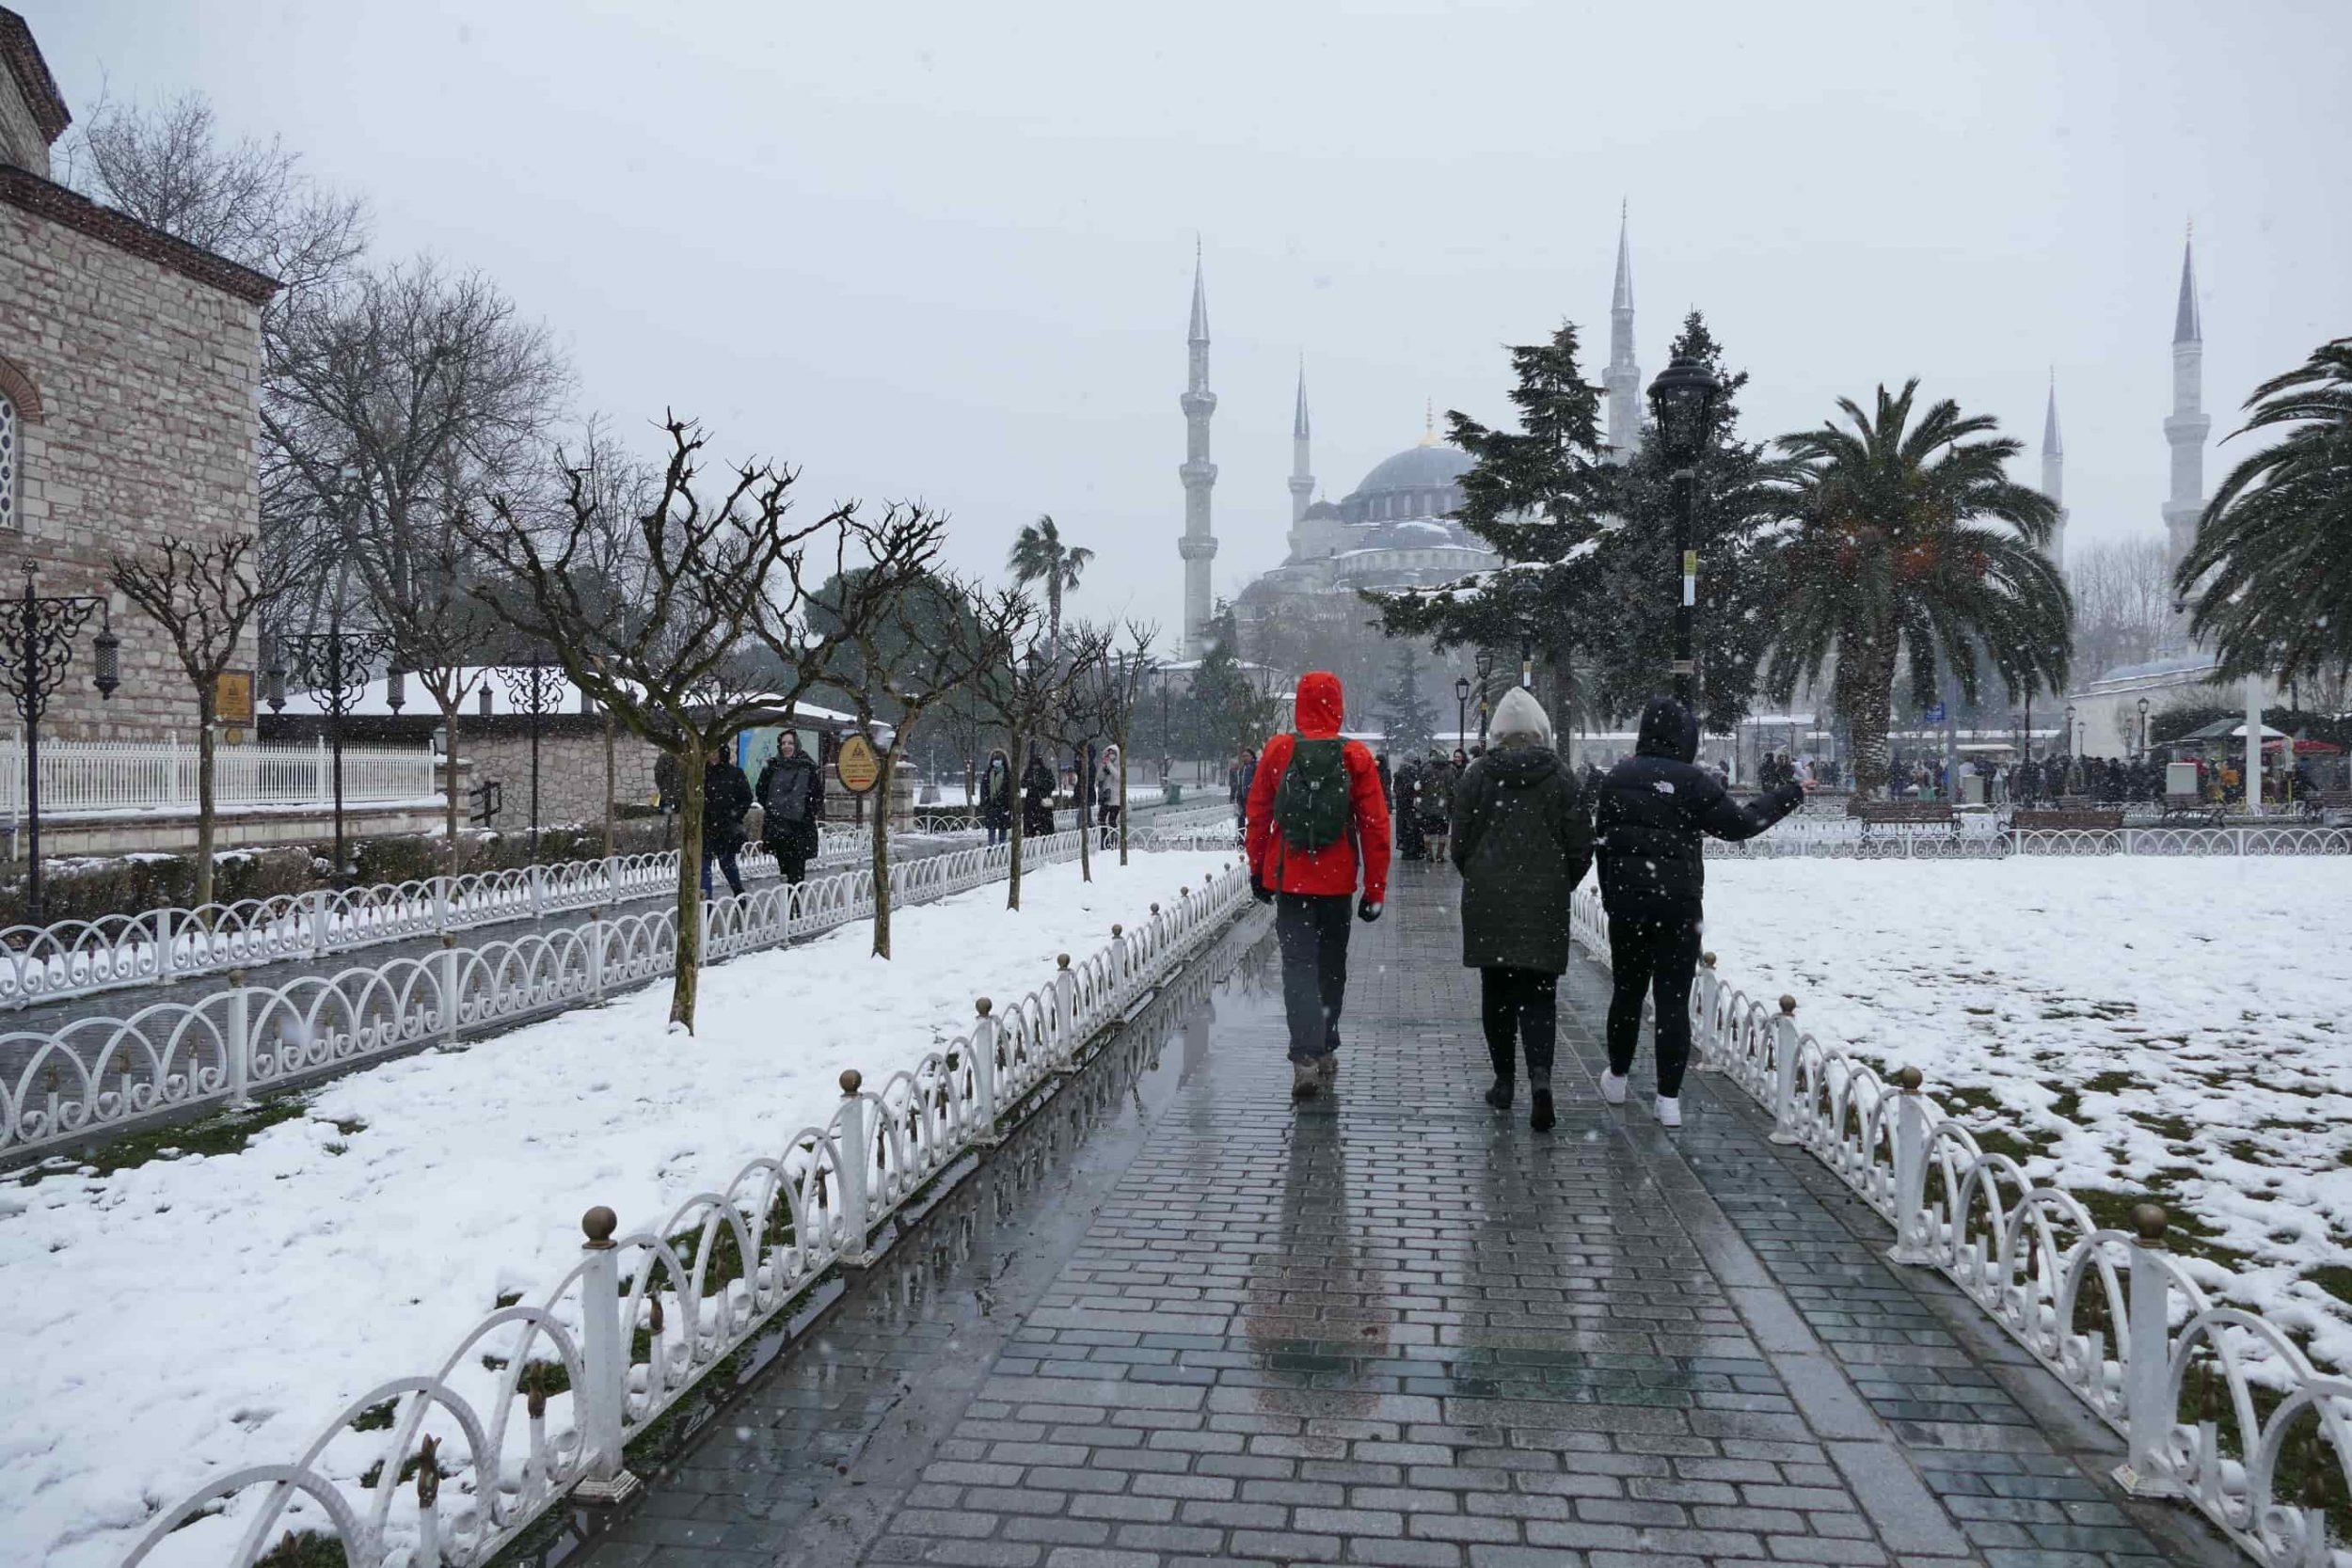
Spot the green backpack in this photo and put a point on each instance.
(1310, 804)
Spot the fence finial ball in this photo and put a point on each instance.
(2151, 1221)
(1155, 909)
(1061, 960)
(1787, 1004)
(1116, 930)
(597, 1225)
(981, 1004)
(1910, 1079)
(850, 1079)
(1707, 959)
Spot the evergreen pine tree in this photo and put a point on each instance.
(1410, 723)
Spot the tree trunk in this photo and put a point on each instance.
(1122, 799)
(205, 742)
(690, 890)
(880, 861)
(610, 771)
(1020, 813)
(1084, 801)
(449, 790)
(1865, 686)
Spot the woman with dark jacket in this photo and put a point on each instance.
(726, 801)
(996, 797)
(1522, 841)
(791, 793)
(1037, 798)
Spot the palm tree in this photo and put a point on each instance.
(1910, 542)
(2271, 571)
(1040, 556)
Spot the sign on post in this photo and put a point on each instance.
(232, 697)
(856, 765)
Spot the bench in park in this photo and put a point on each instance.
(2325, 804)
(1903, 813)
(2194, 807)
(2078, 820)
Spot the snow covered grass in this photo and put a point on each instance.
(188, 1315)
(2126, 1027)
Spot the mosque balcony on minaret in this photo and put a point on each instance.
(1197, 473)
(1198, 406)
(1196, 546)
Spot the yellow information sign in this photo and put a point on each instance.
(232, 697)
(856, 765)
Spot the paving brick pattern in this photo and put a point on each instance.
(1395, 1328)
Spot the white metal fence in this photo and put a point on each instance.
(1808, 838)
(94, 1077)
(82, 958)
(83, 776)
(2218, 1406)
(540, 1398)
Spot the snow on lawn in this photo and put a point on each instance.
(194, 1314)
(2126, 1025)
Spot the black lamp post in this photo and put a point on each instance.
(1461, 708)
(332, 666)
(1527, 604)
(1484, 663)
(2143, 726)
(536, 689)
(1683, 400)
(37, 635)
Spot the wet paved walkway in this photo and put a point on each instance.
(1176, 1320)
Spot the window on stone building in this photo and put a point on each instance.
(8, 519)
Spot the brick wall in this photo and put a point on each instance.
(571, 773)
(146, 378)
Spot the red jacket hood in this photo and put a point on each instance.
(1320, 707)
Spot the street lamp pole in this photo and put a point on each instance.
(37, 633)
(2143, 727)
(332, 666)
(1683, 400)
(1484, 663)
(1461, 708)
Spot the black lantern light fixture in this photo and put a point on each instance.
(1461, 708)
(1682, 402)
(332, 666)
(37, 635)
(1485, 664)
(2143, 726)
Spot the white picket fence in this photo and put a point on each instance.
(1983, 838)
(83, 958)
(540, 1398)
(88, 776)
(2210, 1400)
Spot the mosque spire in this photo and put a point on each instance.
(1198, 545)
(2054, 474)
(1622, 379)
(2186, 328)
(2187, 427)
(1199, 333)
(1302, 481)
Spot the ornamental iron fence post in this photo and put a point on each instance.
(983, 1049)
(1914, 1238)
(604, 1363)
(536, 689)
(163, 947)
(447, 982)
(2148, 1398)
(1784, 1075)
(239, 1042)
(332, 666)
(595, 957)
(37, 635)
(852, 1154)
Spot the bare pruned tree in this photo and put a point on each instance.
(658, 615)
(204, 597)
(1027, 691)
(1123, 669)
(2123, 603)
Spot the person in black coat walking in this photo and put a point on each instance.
(727, 802)
(1654, 809)
(1037, 798)
(1522, 841)
(996, 797)
(791, 793)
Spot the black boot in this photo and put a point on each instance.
(1539, 1115)
(1499, 1096)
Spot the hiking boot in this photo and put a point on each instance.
(1539, 1115)
(1306, 1079)
(1669, 1112)
(1611, 1088)
(1499, 1096)
(1328, 1071)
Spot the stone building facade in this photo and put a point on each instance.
(130, 370)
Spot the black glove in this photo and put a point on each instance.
(1259, 890)
(1366, 910)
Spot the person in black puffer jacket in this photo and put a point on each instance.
(1654, 808)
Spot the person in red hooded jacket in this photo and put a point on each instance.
(1307, 848)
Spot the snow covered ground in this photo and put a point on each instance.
(2119, 1024)
(199, 1313)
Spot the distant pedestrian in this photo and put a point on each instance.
(1037, 798)
(727, 802)
(791, 796)
(1437, 802)
(1237, 781)
(1109, 799)
(1522, 841)
(996, 797)
(1654, 808)
(1405, 811)
(1316, 820)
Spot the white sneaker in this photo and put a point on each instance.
(1612, 1088)
(1669, 1112)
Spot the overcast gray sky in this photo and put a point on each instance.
(944, 250)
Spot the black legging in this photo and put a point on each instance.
(1658, 956)
(1524, 1002)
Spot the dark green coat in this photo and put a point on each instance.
(1522, 840)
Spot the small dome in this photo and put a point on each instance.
(1321, 510)
(1423, 468)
